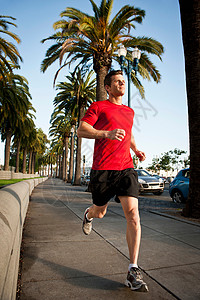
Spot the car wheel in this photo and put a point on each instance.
(158, 193)
(177, 197)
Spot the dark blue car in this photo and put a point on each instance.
(179, 187)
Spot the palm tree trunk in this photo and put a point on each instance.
(60, 166)
(63, 165)
(17, 156)
(7, 150)
(24, 161)
(77, 180)
(51, 170)
(48, 170)
(71, 159)
(100, 90)
(33, 163)
(57, 161)
(190, 19)
(66, 141)
(30, 161)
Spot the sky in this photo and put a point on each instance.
(161, 121)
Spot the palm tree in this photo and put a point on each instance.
(57, 148)
(94, 40)
(27, 146)
(9, 55)
(60, 128)
(190, 19)
(14, 105)
(38, 149)
(74, 97)
(23, 127)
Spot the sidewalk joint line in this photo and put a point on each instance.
(110, 243)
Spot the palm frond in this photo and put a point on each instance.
(146, 44)
(146, 63)
(138, 84)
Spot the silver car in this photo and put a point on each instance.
(148, 183)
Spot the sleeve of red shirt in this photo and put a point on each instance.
(91, 114)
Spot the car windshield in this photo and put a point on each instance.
(143, 173)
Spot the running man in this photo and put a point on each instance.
(110, 123)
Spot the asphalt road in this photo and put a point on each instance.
(149, 201)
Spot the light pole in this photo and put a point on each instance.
(131, 65)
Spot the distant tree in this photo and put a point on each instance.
(39, 149)
(186, 162)
(155, 166)
(60, 132)
(170, 160)
(176, 158)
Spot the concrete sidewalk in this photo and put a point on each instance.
(60, 262)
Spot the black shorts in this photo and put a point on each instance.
(105, 184)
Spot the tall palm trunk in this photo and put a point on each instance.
(60, 166)
(33, 163)
(24, 161)
(66, 141)
(48, 170)
(71, 159)
(63, 165)
(51, 170)
(77, 180)
(57, 161)
(30, 161)
(190, 19)
(17, 156)
(100, 90)
(101, 63)
(7, 150)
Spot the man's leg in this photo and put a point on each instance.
(133, 233)
(95, 211)
(91, 212)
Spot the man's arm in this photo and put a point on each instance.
(139, 154)
(86, 130)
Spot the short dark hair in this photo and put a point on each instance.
(107, 80)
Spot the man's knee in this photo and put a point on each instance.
(133, 217)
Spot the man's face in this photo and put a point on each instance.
(117, 87)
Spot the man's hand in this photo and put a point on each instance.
(141, 155)
(116, 134)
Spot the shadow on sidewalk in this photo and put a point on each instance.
(72, 276)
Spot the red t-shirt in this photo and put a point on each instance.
(111, 154)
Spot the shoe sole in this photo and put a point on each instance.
(142, 288)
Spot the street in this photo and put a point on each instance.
(162, 203)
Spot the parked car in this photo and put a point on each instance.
(179, 187)
(148, 183)
(163, 178)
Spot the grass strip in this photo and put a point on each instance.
(4, 182)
